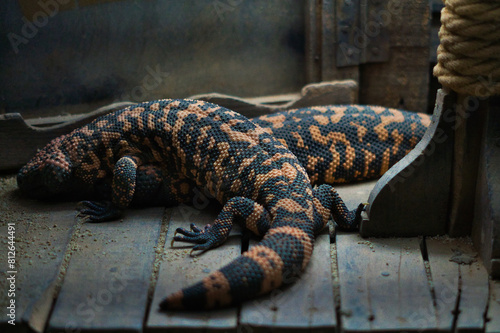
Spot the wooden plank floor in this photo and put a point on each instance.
(73, 276)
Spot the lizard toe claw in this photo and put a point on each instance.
(201, 248)
(194, 233)
(197, 239)
(203, 238)
(93, 211)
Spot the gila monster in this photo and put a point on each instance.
(239, 163)
(335, 143)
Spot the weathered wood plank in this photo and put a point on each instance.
(107, 281)
(377, 280)
(460, 284)
(46, 275)
(352, 260)
(42, 234)
(445, 279)
(400, 83)
(178, 270)
(307, 304)
(473, 291)
(493, 323)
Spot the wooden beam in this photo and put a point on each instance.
(403, 80)
(19, 141)
(460, 284)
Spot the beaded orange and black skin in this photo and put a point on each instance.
(237, 162)
(335, 144)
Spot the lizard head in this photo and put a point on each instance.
(47, 174)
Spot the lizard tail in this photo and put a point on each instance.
(278, 259)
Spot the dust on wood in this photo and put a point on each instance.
(107, 280)
(460, 283)
(473, 291)
(377, 278)
(43, 232)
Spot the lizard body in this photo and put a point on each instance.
(239, 163)
(335, 144)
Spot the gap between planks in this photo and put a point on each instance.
(178, 270)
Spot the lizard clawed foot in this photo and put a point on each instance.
(356, 220)
(96, 211)
(204, 239)
(353, 219)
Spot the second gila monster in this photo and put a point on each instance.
(335, 144)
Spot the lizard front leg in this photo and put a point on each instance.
(255, 216)
(123, 188)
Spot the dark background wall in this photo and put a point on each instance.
(67, 52)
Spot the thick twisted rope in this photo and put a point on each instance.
(469, 53)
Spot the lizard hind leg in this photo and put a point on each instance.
(255, 216)
(345, 219)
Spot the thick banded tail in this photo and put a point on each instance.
(278, 259)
